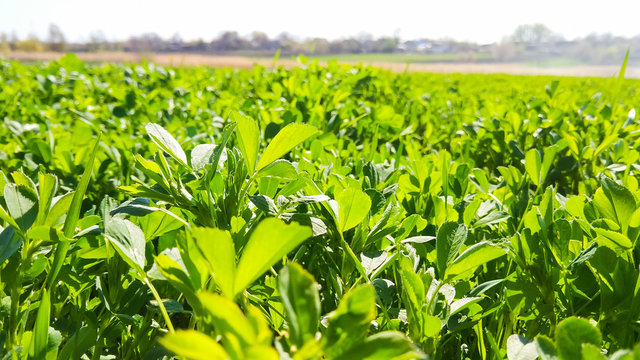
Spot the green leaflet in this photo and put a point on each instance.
(533, 165)
(286, 139)
(166, 143)
(129, 241)
(301, 299)
(9, 243)
(22, 205)
(451, 236)
(350, 321)
(354, 207)
(47, 188)
(546, 348)
(382, 346)
(201, 347)
(217, 247)
(270, 241)
(73, 215)
(248, 139)
(470, 259)
(615, 202)
(572, 334)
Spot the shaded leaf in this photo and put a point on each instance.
(451, 236)
(22, 205)
(476, 255)
(265, 204)
(129, 241)
(546, 348)
(572, 333)
(301, 300)
(9, 243)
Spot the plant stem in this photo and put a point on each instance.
(432, 301)
(16, 292)
(163, 310)
(353, 257)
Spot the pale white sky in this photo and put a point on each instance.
(474, 20)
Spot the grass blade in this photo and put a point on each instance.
(72, 217)
(41, 327)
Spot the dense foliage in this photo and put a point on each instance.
(322, 212)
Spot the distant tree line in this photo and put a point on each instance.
(536, 42)
(55, 41)
(260, 43)
(531, 42)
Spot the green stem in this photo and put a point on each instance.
(136, 338)
(529, 204)
(432, 302)
(630, 255)
(16, 292)
(97, 350)
(243, 192)
(163, 310)
(482, 349)
(13, 316)
(353, 257)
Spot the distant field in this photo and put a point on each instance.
(399, 58)
(482, 58)
(392, 62)
(558, 62)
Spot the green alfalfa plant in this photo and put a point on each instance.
(198, 195)
(575, 338)
(32, 216)
(429, 298)
(244, 335)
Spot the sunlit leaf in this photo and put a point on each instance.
(286, 139)
(166, 142)
(269, 242)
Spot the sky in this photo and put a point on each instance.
(482, 21)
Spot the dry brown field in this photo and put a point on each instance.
(179, 59)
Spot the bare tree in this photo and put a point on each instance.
(534, 33)
(97, 41)
(229, 41)
(259, 40)
(4, 43)
(13, 40)
(319, 46)
(31, 44)
(504, 51)
(386, 44)
(56, 40)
